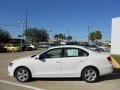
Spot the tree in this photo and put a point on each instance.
(36, 35)
(92, 36)
(59, 37)
(97, 35)
(69, 38)
(4, 35)
(56, 36)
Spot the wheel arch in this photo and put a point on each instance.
(21, 67)
(92, 67)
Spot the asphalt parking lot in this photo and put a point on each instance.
(109, 82)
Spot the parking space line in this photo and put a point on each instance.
(21, 85)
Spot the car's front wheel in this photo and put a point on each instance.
(90, 74)
(22, 74)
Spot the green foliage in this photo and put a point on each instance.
(4, 35)
(59, 37)
(36, 35)
(92, 36)
(97, 35)
(69, 38)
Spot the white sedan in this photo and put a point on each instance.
(62, 61)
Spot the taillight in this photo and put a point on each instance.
(109, 58)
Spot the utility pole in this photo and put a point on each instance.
(88, 34)
(26, 20)
(21, 25)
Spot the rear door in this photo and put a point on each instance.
(72, 61)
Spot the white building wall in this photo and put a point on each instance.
(115, 37)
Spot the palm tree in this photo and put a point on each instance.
(69, 38)
(94, 36)
(56, 36)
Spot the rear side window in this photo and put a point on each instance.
(71, 52)
(74, 52)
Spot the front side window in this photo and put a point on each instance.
(54, 53)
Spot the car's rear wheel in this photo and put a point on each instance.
(90, 74)
(22, 74)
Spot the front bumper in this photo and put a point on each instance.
(10, 71)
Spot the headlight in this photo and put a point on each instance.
(10, 64)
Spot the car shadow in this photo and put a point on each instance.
(113, 76)
(56, 79)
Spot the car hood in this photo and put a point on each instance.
(23, 59)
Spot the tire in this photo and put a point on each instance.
(90, 75)
(22, 74)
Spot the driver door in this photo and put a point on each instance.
(49, 63)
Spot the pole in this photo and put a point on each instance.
(26, 20)
(26, 23)
(88, 34)
(21, 34)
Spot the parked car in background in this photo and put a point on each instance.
(12, 47)
(95, 48)
(2, 49)
(44, 46)
(28, 47)
(72, 43)
(62, 61)
(104, 48)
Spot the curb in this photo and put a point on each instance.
(115, 63)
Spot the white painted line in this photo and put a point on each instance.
(21, 85)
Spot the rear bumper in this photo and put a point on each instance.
(106, 70)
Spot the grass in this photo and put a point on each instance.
(117, 58)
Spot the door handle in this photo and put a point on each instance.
(82, 61)
(58, 62)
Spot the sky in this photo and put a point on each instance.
(61, 16)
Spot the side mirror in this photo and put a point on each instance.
(41, 58)
(37, 57)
